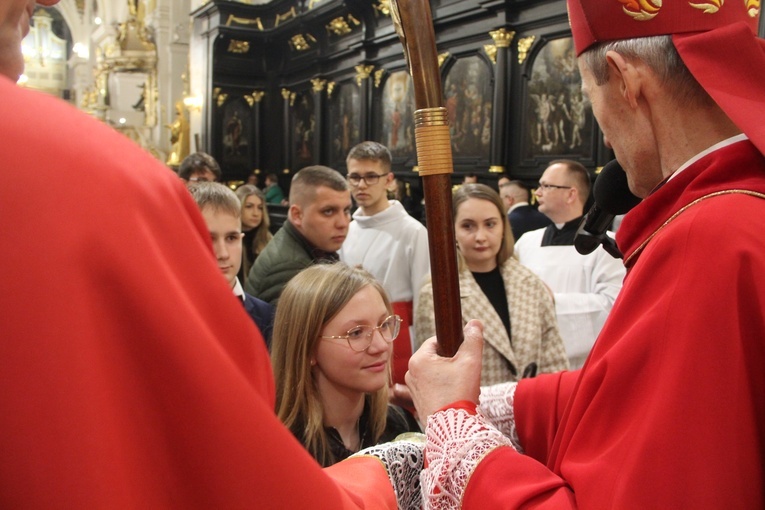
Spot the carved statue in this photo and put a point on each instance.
(179, 137)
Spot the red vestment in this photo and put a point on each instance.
(131, 377)
(669, 409)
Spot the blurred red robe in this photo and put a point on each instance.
(131, 377)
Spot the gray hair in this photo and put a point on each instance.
(660, 55)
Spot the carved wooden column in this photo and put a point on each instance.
(502, 39)
(363, 72)
(257, 130)
(319, 149)
(289, 98)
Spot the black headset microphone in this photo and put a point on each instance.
(612, 197)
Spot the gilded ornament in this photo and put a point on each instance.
(363, 72)
(286, 93)
(240, 47)
(339, 26)
(302, 42)
(258, 95)
(502, 38)
(330, 88)
(524, 45)
(491, 51)
(378, 77)
(318, 84)
(284, 17)
(244, 21)
(442, 58)
(383, 7)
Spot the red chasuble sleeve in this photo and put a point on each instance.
(131, 377)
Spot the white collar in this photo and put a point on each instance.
(238, 290)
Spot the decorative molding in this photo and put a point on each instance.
(524, 45)
(293, 96)
(491, 51)
(497, 169)
(286, 93)
(284, 17)
(502, 38)
(340, 26)
(318, 84)
(240, 47)
(330, 88)
(378, 77)
(300, 42)
(442, 58)
(363, 72)
(257, 22)
(258, 95)
(313, 3)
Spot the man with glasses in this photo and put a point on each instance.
(584, 286)
(386, 241)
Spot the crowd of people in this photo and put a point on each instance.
(182, 355)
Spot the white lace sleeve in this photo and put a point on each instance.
(403, 460)
(456, 442)
(496, 404)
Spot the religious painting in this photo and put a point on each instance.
(397, 131)
(304, 129)
(344, 129)
(559, 120)
(468, 101)
(236, 134)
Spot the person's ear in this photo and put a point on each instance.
(627, 76)
(295, 215)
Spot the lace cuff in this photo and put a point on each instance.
(456, 443)
(496, 404)
(403, 460)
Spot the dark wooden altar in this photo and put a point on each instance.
(299, 82)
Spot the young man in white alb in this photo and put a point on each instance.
(386, 241)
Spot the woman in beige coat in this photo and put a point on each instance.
(520, 330)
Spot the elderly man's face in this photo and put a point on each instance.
(14, 26)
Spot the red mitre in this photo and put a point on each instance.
(717, 41)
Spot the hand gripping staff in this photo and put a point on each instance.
(412, 19)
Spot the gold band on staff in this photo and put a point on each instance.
(434, 146)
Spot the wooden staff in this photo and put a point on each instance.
(414, 25)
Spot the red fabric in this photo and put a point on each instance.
(131, 377)
(730, 65)
(594, 21)
(668, 410)
(402, 346)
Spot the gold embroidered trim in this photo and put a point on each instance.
(683, 209)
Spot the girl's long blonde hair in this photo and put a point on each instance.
(310, 300)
